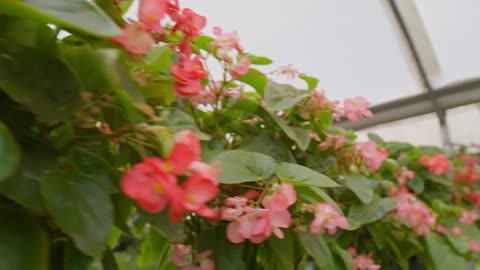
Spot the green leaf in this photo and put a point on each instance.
(311, 194)
(9, 153)
(375, 210)
(39, 81)
(361, 186)
(312, 82)
(24, 244)
(108, 261)
(112, 9)
(177, 120)
(442, 180)
(81, 208)
(282, 96)
(442, 254)
(374, 137)
(325, 119)
(416, 184)
(226, 254)
(239, 166)
(203, 42)
(122, 210)
(274, 257)
(299, 135)
(459, 243)
(303, 176)
(24, 186)
(160, 222)
(74, 259)
(153, 248)
(159, 92)
(80, 15)
(345, 256)
(158, 59)
(259, 60)
(255, 79)
(316, 246)
(95, 167)
(267, 145)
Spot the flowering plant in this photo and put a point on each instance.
(121, 150)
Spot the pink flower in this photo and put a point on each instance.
(437, 164)
(289, 71)
(181, 255)
(188, 75)
(226, 42)
(441, 229)
(468, 217)
(323, 146)
(204, 97)
(456, 231)
(153, 183)
(474, 246)
(414, 214)
(204, 261)
(326, 217)
(284, 197)
(135, 38)
(340, 140)
(363, 262)
(356, 108)
(151, 13)
(189, 22)
(185, 151)
(255, 225)
(372, 155)
(240, 68)
(474, 197)
(404, 174)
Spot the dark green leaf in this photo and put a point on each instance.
(122, 210)
(226, 254)
(255, 79)
(442, 254)
(24, 186)
(81, 208)
(317, 247)
(375, 210)
(158, 59)
(416, 184)
(267, 145)
(361, 186)
(459, 243)
(299, 135)
(278, 253)
(74, 259)
(112, 9)
(160, 92)
(177, 120)
(345, 256)
(108, 261)
(312, 82)
(24, 244)
(303, 176)
(77, 14)
(9, 153)
(41, 82)
(282, 96)
(239, 166)
(259, 60)
(442, 180)
(160, 222)
(95, 167)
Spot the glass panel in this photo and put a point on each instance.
(453, 27)
(350, 45)
(462, 124)
(420, 130)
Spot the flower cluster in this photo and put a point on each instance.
(326, 218)
(437, 164)
(469, 171)
(336, 141)
(183, 257)
(372, 155)
(257, 224)
(413, 213)
(468, 217)
(154, 184)
(363, 262)
(355, 109)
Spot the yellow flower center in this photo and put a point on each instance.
(151, 16)
(158, 189)
(191, 199)
(168, 166)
